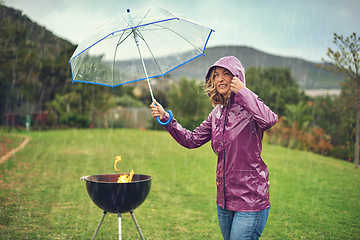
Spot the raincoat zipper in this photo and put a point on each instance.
(225, 121)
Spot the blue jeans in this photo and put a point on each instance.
(242, 225)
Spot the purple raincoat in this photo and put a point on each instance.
(235, 131)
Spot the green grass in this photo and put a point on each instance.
(42, 197)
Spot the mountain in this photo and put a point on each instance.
(308, 74)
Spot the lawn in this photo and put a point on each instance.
(42, 197)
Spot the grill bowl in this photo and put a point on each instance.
(115, 197)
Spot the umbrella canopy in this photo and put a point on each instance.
(136, 46)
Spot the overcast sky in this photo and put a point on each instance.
(296, 28)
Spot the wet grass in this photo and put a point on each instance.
(42, 197)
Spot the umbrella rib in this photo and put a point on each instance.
(156, 62)
(131, 23)
(179, 36)
(143, 18)
(119, 42)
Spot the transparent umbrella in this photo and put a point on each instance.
(136, 46)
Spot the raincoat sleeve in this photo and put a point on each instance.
(264, 117)
(189, 139)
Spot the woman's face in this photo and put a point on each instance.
(222, 80)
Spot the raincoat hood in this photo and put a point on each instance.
(232, 64)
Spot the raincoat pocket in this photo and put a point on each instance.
(217, 146)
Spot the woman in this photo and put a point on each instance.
(235, 127)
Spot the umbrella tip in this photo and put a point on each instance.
(128, 10)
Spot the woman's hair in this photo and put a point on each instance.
(215, 97)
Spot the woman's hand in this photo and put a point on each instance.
(236, 84)
(157, 110)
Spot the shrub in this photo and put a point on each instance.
(74, 120)
(345, 152)
(315, 140)
(312, 139)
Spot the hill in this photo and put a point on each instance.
(33, 62)
(307, 74)
(19, 32)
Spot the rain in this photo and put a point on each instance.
(57, 131)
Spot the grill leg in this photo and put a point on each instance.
(119, 221)
(137, 225)
(98, 227)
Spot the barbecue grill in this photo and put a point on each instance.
(118, 198)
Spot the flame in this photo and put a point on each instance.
(123, 178)
(126, 178)
(117, 159)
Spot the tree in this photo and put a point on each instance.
(33, 63)
(346, 60)
(188, 101)
(298, 113)
(329, 114)
(275, 86)
(79, 104)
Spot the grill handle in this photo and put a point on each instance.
(83, 178)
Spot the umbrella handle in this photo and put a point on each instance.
(168, 121)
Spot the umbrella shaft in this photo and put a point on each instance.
(144, 67)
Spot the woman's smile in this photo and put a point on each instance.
(222, 80)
